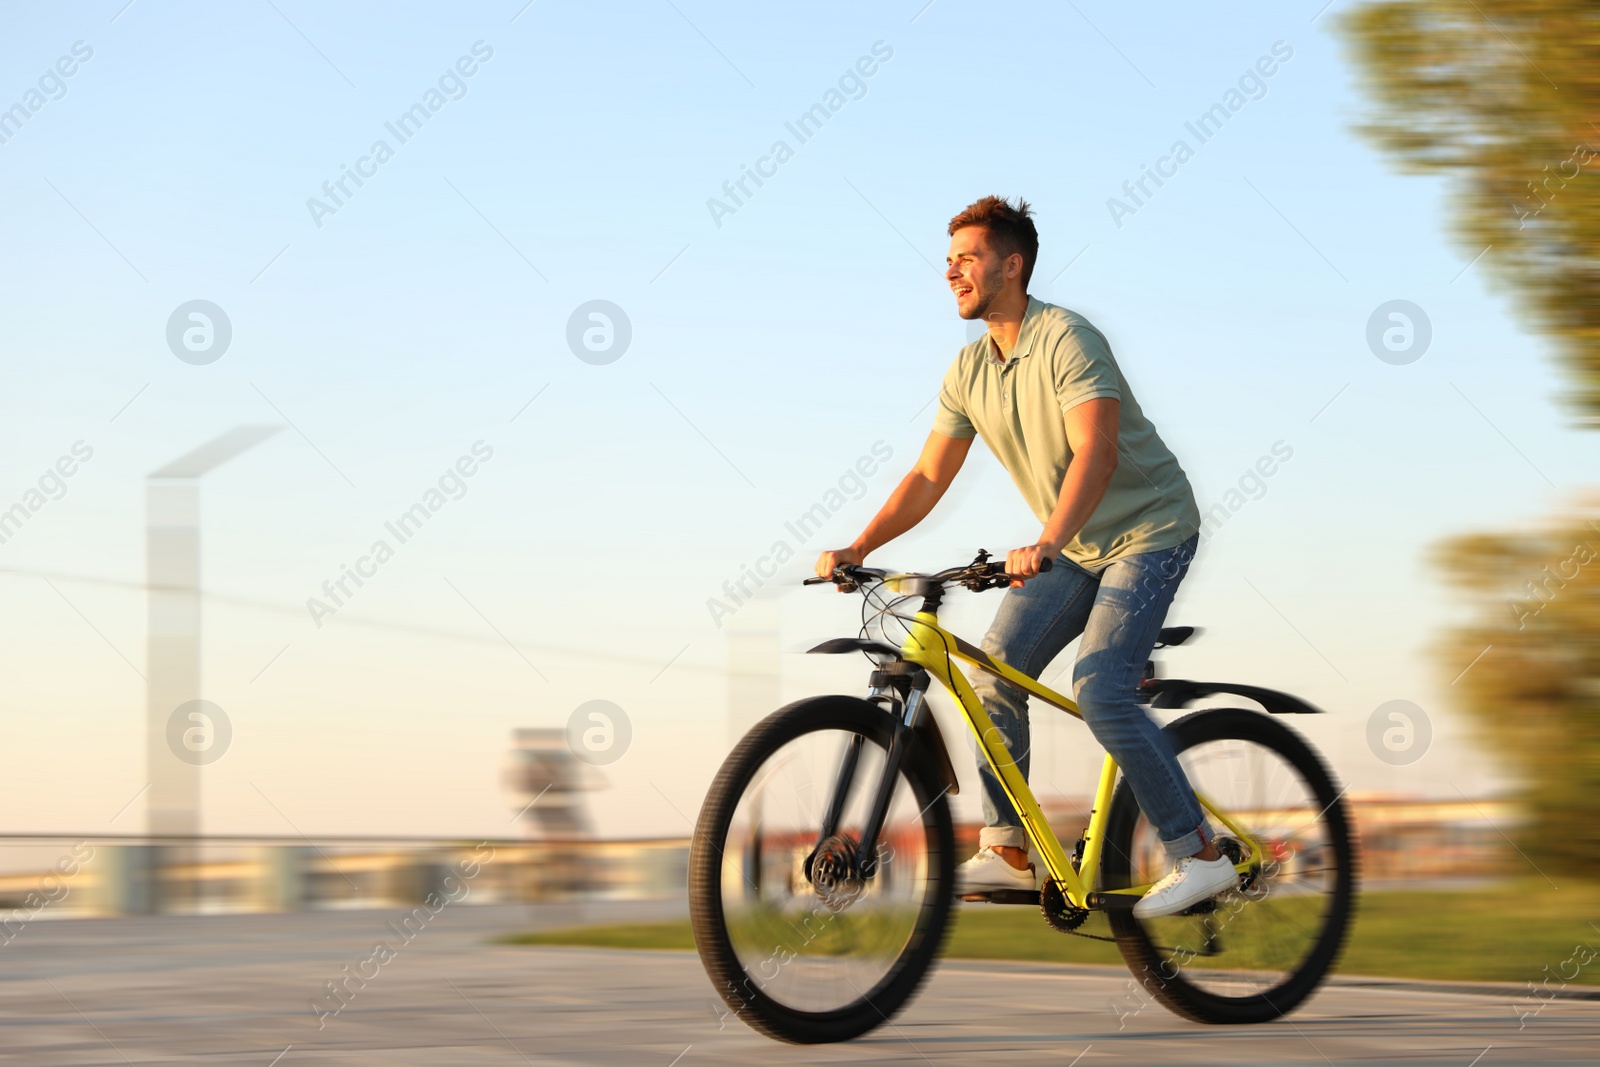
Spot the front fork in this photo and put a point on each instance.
(914, 709)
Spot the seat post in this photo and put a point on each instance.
(1144, 692)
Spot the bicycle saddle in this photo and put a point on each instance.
(1174, 635)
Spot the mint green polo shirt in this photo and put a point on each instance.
(1017, 407)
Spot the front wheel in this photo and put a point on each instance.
(797, 947)
(1256, 953)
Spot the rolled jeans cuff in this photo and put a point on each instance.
(1189, 843)
(1006, 837)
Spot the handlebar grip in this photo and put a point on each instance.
(1045, 564)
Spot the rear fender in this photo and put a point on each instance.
(1181, 693)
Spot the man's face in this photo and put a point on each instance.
(975, 271)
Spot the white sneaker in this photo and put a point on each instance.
(1191, 881)
(986, 872)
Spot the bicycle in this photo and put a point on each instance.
(819, 907)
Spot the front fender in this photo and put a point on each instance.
(927, 731)
(836, 646)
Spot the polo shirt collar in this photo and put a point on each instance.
(1025, 335)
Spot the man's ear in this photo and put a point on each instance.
(1013, 267)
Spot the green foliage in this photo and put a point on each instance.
(1534, 696)
(1504, 97)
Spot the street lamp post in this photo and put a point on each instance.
(172, 541)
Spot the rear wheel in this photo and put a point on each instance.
(1256, 953)
(797, 947)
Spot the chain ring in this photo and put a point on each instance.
(1059, 914)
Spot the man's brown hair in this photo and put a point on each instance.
(1010, 229)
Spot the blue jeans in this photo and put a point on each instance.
(1119, 612)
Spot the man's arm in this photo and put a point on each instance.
(910, 502)
(1092, 436)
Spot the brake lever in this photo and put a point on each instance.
(996, 578)
(844, 586)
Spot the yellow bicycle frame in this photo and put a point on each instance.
(935, 650)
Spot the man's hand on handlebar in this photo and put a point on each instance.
(1025, 563)
(838, 557)
(843, 568)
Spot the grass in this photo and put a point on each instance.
(1505, 933)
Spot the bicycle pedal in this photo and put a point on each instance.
(1004, 896)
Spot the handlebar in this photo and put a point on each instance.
(978, 575)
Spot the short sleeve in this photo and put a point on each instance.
(1083, 368)
(951, 419)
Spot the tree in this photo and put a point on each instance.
(1504, 97)
(1534, 695)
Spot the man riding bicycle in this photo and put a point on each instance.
(1043, 391)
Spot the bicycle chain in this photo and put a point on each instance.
(1060, 915)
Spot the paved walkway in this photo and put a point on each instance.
(239, 990)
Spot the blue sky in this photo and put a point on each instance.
(768, 354)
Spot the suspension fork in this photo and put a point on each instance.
(841, 787)
(845, 778)
(916, 707)
(910, 717)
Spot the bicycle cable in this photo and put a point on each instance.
(1058, 913)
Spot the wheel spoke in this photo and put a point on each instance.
(1273, 942)
(808, 942)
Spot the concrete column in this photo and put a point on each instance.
(173, 670)
(172, 567)
(754, 669)
(281, 884)
(124, 880)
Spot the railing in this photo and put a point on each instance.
(111, 875)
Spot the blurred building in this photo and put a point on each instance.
(1411, 839)
(1401, 838)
